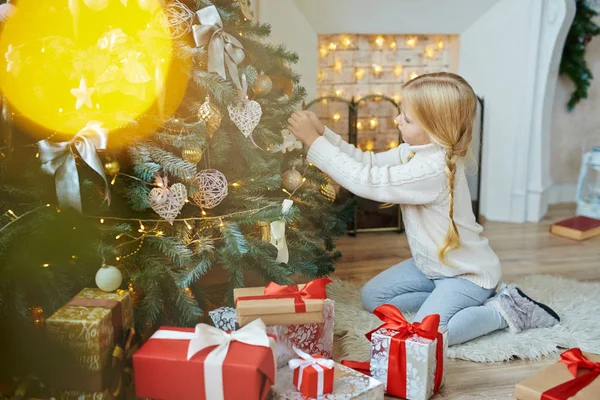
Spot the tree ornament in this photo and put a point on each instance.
(108, 278)
(83, 94)
(328, 191)
(96, 5)
(290, 143)
(192, 154)
(212, 188)
(245, 9)
(211, 116)
(7, 10)
(291, 179)
(167, 201)
(262, 85)
(177, 18)
(264, 228)
(245, 114)
(112, 167)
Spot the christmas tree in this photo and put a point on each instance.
(144, 145)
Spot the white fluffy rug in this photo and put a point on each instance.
(577, 303)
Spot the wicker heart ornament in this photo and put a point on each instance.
(167, 201)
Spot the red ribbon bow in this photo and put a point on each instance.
(575, 361)
(394, 320)
(312, 290)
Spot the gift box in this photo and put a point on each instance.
(575, 376)
(92, 325)
(408, 358)
(313, 375)
(310, 338)
(347, 385)
(282, 305)
(206, 363)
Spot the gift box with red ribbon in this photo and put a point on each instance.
(313, 375)
(206, 363)
(282, 305)
(407, 358)
(575, 376)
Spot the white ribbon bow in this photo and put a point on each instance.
(306, 360)
(254, 334)
(278, 234)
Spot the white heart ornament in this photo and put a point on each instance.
(245, 115)
(170, 207)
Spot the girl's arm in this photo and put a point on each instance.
(420, 181)
(390, 157)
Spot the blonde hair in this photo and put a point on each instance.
(445, 105)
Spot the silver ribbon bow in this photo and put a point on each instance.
(223, 48)
(306, 360)
(58, 159)
(254, 334)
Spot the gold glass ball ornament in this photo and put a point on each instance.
(112, 167)
(211, 115)
(192, 154)
(291, 179)
(328, 191)
(262, 85)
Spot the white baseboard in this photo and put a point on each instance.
(564, 193)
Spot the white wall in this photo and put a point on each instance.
(571, 130)
(290, 27)
(515, 70)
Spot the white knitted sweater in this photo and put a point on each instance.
(420, 186)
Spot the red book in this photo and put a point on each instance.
(577, 228)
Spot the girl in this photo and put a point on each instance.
(453, 271)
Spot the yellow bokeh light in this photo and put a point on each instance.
(68, 63)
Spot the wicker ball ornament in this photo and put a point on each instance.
(192, 154)
(291, 179)
(212, 188)
(328, 191)
(211, 115)
(262, 85)
(177, 18)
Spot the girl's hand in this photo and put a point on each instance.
(301, 126)
(316, 122)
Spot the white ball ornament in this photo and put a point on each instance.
(108, 278)
(7, 10)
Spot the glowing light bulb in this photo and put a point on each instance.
(346, 42)
(440, 44)
(359, 126)
(413, 75)
(323, 52)
(377, 68)
(411, 41)
(338, 66)
(373, 123)
(359, 73)
(429, 52)
(398, 70)
(339, 92)
(369, 145)
(332, 46)
(336, 117)
(380, 41)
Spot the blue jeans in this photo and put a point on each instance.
(459, 302)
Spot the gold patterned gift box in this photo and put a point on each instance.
(90, 325)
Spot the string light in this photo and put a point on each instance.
(114, 179)
(398, 70)
(235, 184)
(411, 41)
(359, 73)
(359, 126)
(12, 213)
(370, 145)
(119, 258)
(429, 52)
(413, 75)
(393, 144)
(324, 101)
(320, 76)
(188, 291)
(323, 52)
(339, 92)
(336, 117)
(332, 46)
(338, 66)
(393, 45)
(187, 224)
(60, 110)
(377, 68)
(101, 220)
(397, 98)
(346, 42)
(45, 265)
(379, 41)
(203, 212)
(37, 155)
(440, 44)
(119, 236)
(373, 123)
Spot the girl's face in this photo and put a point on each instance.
(412, 133)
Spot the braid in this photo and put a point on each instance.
(452, 240)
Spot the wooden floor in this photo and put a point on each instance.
(524, 249)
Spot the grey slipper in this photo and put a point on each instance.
(520, 311)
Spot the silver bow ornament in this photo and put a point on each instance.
(306, 360)
(58, 159)
(223, 48)
(254, 334)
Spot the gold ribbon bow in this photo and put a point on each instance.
(121, 363)
(58, 159)
(223, 48)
